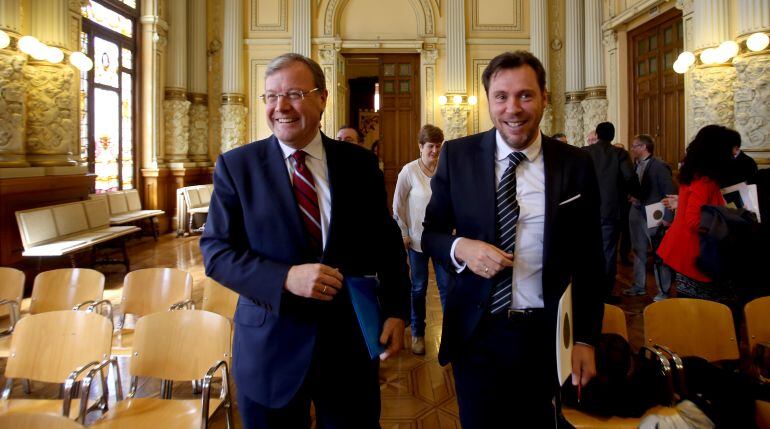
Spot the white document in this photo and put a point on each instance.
(655, 213)
(742, 196)
(564, 336)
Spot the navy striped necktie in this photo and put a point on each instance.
(507, 217)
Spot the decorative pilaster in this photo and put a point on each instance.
(538, 45)
(428, 75)
(176, 125)
(329, 62)
(753, 16)
(197, 84)
(573, 119)
(175, 105)
(455, 120)
(301, 19)
(613, 90)
(13, 92)
(233, 111)
(595, 103)
(455, 46)
(575, 85)
(10, 16)
(199, 138)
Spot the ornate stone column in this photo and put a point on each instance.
(613, 90)
(455, 116)
(539, 46)
(712, 95)
(751, 88)
(233, 110)
(198, 96)
(300, 38)
(13, 92)
(575, 85)
(331, 64)
(51, 129)
(428, 81)
(595, 103)
(176, 108)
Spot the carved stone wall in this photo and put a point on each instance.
(594, 112)
(233, 126)
(455, 121)
(573, 123)
(12, 109)
(546, 124)
(199, 133)
(752, 100)
(51, 131)
(428, 63)
(712, 97)
(176, 129)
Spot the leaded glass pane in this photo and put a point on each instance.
(105, 62)
(106, 132)
(108, 18)
(127, 142)
(127, 58)
(130, 3)
(83, 100)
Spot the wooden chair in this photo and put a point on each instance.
(219, 299)
(147, 291)
(58, 347)
(692, 327)
(65, 289)
(175, 346)
(37, 421)
(614, 322)
(11, 292)
(757, 314)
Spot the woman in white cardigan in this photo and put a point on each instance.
(409, 202)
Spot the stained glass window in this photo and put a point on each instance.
(107, 94)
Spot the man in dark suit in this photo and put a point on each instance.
(291, 216)
(742, 168)
(655, 183)
(514, 217)
(616, 182)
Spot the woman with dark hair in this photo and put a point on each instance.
(706, 157)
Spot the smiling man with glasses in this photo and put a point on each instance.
(291, 217)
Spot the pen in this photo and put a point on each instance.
(579, 385)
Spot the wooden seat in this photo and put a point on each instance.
(37, 421)
(757, 314)
(692, 327)
(219, 299)
(56, 347)
(175, 346)
(149, 291)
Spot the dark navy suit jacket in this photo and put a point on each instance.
(254, 234)
(463, 205)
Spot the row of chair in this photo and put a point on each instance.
(689, 327)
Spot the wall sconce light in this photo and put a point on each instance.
(81, 61)
(5, 40)
(757, 42)
(457, 99)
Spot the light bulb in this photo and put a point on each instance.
(442, 100)
(81, 61)
(680, 67)
(687, 58)
(457, 99)
(4, 39)
(728, 49)
(708, 56)
(472, 100)
(54, 55)
(757, 42)
(27, 44)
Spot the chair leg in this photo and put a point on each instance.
(125, 255)
(154, 229)
(196, 387)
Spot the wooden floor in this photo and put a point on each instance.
(416, 391)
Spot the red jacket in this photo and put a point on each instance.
(681, 244)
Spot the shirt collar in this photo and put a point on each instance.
(314, 149)
(532, 151)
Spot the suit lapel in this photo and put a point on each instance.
(334, 175)
(553, 192)
(278, 179)
(484, 172)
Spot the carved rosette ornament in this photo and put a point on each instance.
(455, 121)
(573, 123)
(233, 126)
(12, 109)
(51, 132)
(752, 92)
(712, 97)
(594, 112)
(176, 129)
(199, 133)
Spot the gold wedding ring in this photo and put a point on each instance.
(486, 270)
(324, 291)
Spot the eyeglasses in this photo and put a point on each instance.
(292, 96)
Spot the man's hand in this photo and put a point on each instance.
(317, 281)
(583, 364)
(392, 336)
(482, 258)
(670, 201)
(407, 241)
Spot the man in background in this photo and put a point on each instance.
(347, 133)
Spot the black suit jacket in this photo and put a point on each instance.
(657, 182)
(254, 234)
(742, 168)
(463, 205)
(616, 177)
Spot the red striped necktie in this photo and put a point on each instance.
(307, 199)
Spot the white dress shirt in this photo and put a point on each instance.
(409, 201)
(530, 227)
(315, 160)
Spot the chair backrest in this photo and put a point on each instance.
(65, 288)
(204, 194)
(97, 212)
(154, 289)
(133, 200)
(191, 197)
(37, 421)
(614, 321)
(48, 346)
(219, 299)
(692, 327)
(11, 287)
(118, 202)
(179, 345)
(758, 321)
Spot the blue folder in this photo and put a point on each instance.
(363, 294)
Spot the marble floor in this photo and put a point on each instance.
(416, 391)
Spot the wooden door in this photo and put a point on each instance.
(657, 91)
(399, 114)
